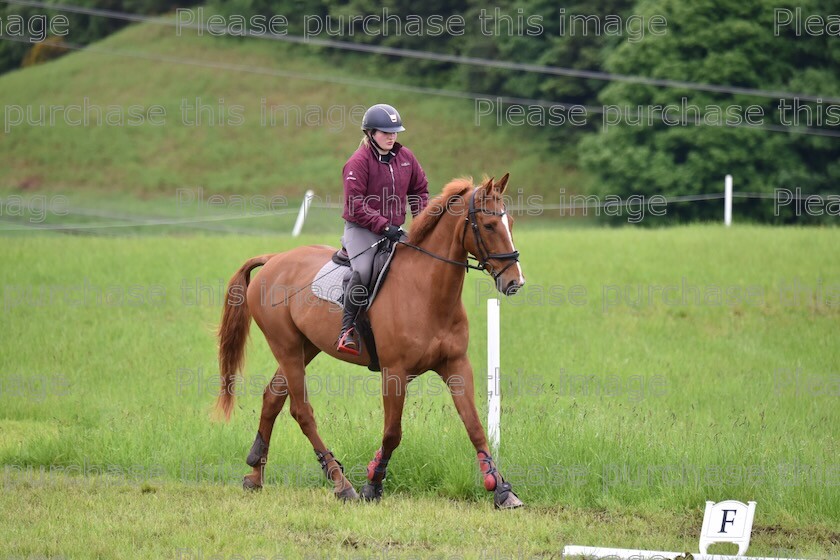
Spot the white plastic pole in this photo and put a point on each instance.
(727, 202)
(494, 397)
(591, 552)
(304, 210)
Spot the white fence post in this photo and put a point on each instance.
(727, 201)
(494, 397)
(304, 210)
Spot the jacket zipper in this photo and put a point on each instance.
(393, 184)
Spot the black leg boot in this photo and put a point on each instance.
(355, 298)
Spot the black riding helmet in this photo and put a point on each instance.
(382, 117)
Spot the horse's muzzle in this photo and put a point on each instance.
(511, 288)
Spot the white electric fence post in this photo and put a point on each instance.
(727, 201)
(494, 397)
(304, 210)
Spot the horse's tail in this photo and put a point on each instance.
(233, 333)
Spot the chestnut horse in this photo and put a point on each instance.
(418, 319)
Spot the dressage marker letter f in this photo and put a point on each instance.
(725, 520)
(735, 519)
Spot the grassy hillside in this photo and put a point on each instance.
(240, 152)
(639, 401)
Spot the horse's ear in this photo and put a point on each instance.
(501, 185)
(488, 183)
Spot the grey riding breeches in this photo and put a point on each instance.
(357, 240)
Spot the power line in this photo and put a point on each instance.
(504, 100)
(619, 201)
(788, 195)
(630, 201)
(196, 224)
(600, 202)
(139, 221)
(441, 57)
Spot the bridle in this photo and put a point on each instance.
(483, 260)
(484, 255)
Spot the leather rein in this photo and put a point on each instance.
(484, 255)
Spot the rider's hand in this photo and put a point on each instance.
(393, 233)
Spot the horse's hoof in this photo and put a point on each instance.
(347, 495)
(250, 486)
(372, 492)
(504, 498)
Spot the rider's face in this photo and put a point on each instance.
(385, 139)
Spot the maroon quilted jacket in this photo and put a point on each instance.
(376, 193)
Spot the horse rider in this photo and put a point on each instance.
(381, 179)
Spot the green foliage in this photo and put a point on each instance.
(82, 29)
(12, 52)
(716, 42)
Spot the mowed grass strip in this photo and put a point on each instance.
(691, 363)
(62, 516)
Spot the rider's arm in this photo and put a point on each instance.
(360, 207)
(418, 188)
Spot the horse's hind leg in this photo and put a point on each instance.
(274, 397)
(302, 412)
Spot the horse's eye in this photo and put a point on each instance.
(489, 227)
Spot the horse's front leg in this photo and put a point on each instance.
(393, 399)
(458, 375)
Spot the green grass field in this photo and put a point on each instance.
(644, 372)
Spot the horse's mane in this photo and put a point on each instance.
(438, 206)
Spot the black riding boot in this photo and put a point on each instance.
(355, 298)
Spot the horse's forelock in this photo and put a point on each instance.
(438, 206)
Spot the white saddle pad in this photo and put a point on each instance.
(328, 283)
